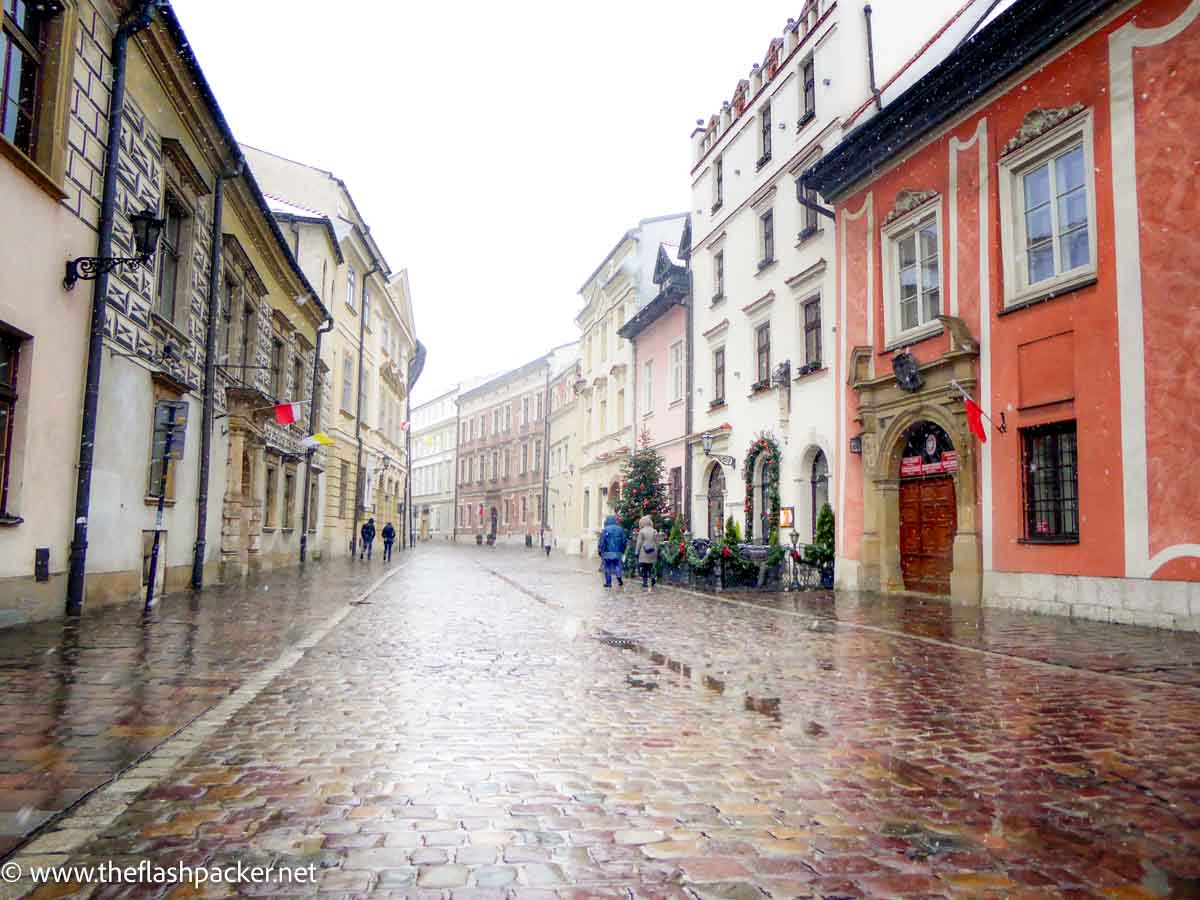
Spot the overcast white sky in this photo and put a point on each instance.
(497, 151)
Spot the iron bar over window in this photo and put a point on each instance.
(1051, 482)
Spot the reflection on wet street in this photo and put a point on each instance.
(492, 723)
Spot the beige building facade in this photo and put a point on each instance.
(564, 516)
(618, 288)
(369, 350)
(172, 334)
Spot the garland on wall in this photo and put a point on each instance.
(766, 446)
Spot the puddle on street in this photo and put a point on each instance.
(770, 707)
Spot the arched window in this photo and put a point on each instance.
(716, 502)
(820, 487)
(762, 500)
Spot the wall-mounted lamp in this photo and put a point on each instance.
(706, 441)
(147, 228)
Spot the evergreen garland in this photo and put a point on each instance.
(763, 444)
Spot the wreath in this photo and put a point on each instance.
(766, 445)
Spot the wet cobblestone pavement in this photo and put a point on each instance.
(80, 700)
(494, 724)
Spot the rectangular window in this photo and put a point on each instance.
(278, 388)
(9, 358)
(524, 458)
(247, 348)
(812, 333)
(808, 106)
(269, 502)
(225, 320)
(648, 386)
(289, 498)
(676, 491)
(718, 183)
(347, 384)
(912, 275)
(808, 214)
(621, 409)
(343, 489)
(169, 255)
(718, 275)
(524, 411)
(537, 415)
(21, 48)
(767, 227)
(537, 456)
(918, 276)
(366, 312)
(762, 344)
(351, 287)
(677, 371)
(765, 135)
(1051, 482)
(719, 375)
(604, 415)
(1049, 229)
(364, 386)
(604, 340)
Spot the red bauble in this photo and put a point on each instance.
(725, 552)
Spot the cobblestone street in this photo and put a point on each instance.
(492, 723)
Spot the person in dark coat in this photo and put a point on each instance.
(612, 551)
(389, 537)
(367, 533)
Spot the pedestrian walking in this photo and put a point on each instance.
(389, 537)
(612, 551)
(647, 551)
(547, 540)
(367, 534)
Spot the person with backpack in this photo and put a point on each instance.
(647, 551)
(612, 551)
(367, 533)
(389, 537)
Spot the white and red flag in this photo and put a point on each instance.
(287, 413)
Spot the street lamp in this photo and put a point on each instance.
(147, 227)
(706, 440)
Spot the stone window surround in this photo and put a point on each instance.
(1065, 128)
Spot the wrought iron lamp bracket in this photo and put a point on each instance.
(88, 268)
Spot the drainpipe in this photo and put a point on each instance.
(140, 21)
(358, 479)
(871, 58)
(210, 371)
(313, 422)
(545, 456)
(457, 466)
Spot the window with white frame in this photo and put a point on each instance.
(1048, 212)
(648, 386)
(718, 274)
(912, 287)
(718, 183)
(677, 371)
(350, 286)
(765, 135)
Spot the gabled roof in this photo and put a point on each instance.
(1014, 40)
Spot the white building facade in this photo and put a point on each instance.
(434, 427)
(764, 265)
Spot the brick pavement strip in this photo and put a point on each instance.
(456, 739)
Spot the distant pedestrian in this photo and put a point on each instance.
(389, 537)
(367, 534)
(647, 551)
(612, 551)
(547, 539)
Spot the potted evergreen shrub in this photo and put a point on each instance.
(820, 552)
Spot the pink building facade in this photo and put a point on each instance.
(659, 334)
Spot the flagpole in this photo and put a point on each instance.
(1002, 428)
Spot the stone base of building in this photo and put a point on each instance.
(1128, 601)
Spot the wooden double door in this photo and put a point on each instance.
(928, 522)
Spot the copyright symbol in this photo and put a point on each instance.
(10, 873)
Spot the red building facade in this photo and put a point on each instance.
(1019, 225)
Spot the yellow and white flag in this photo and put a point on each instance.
(320, 439)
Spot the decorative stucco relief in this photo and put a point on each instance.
(1037, 122)
(907, 201)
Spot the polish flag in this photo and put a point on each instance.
(287, 413)
(975, 420)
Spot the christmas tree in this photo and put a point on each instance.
(643, 492)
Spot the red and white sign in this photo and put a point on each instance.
(911, 466)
